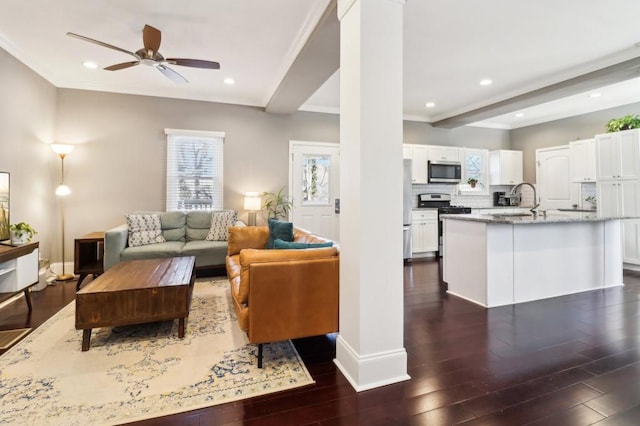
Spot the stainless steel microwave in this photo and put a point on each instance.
(444, 171)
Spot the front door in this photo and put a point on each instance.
(555, 189)
(314, 173)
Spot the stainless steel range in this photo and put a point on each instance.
(443, 203)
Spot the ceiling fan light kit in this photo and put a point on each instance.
(149, 55)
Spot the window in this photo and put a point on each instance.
(474, 171)
(194, 170)
(315, 179)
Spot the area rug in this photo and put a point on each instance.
(8, 337)
(139, 372)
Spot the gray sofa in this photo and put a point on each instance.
(185, 233)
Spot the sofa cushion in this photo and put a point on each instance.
(144, 229)
(153, 251)
(279, 230)
(206, 252)
(198, 224)
(245, 237)
(220, 223)
(172, 224)
(279, 244)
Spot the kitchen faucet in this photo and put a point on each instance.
(535, 196)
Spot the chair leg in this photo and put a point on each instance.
(259, 355)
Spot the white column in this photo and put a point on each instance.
(370, 348)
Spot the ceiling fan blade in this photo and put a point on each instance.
(196, 63)
(171, 74)
(151, 38)
(121, 66)
(103, 44)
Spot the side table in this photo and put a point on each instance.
(88, 256)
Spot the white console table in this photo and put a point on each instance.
(19, 269)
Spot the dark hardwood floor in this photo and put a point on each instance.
(572, 360)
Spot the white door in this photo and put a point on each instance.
(314, 179)
(554, 186)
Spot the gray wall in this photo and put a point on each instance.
(561, 132)
(27, 121)
(120, 160)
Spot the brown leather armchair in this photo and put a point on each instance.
(281, 294)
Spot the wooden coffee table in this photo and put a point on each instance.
(135, 292)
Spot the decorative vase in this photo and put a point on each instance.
(17, 239)
(473, 184)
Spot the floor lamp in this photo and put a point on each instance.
(252, 202)
(62, 191)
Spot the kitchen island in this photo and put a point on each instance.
(501, 259)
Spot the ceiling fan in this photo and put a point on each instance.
(149, 55)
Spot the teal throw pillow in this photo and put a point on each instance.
(279, 230)
(279, 244)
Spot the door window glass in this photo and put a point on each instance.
(315, 179)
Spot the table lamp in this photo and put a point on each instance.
(252, 202)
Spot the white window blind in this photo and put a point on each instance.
(194, 170)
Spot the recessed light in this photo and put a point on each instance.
(430, 104)
(229, 81)
(595, 95)
(90, 64)
(485, 82)
(519, 114)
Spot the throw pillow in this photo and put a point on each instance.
(144, 229)
(279, 244)
(220, 223)
(281, 230)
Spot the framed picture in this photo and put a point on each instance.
(4, 206)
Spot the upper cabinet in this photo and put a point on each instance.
(443, 153)
(505, 167)
(618, 155)
(475, 165)
(582, 160)
(418, 156)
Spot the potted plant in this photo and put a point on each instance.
(21, 233)
(625, 123)
(277, 205)
(591, 200)
(472, 182)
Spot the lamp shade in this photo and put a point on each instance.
(63, 190)
(61, 149)
(252, 201)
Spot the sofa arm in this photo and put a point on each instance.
(293, 299)
(115, 240)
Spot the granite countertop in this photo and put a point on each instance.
(553, 216)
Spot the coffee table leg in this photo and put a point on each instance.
(86, 337)
(181, 328)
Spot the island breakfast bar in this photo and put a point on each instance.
(496, 260)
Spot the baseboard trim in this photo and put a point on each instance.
(371, 371)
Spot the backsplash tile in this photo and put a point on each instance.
(474, 201)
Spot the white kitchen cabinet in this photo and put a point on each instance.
(582, 156)
(618, 198)
(424, 231)
(631, 241)
(418, 156)
(618, 155)
(505, 167)
(443, 153)
(406, 152)
(475, 164)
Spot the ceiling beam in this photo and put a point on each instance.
(318, 60)
(593, 80)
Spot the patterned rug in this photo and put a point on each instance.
(138, 372)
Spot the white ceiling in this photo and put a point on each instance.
(522, 45)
